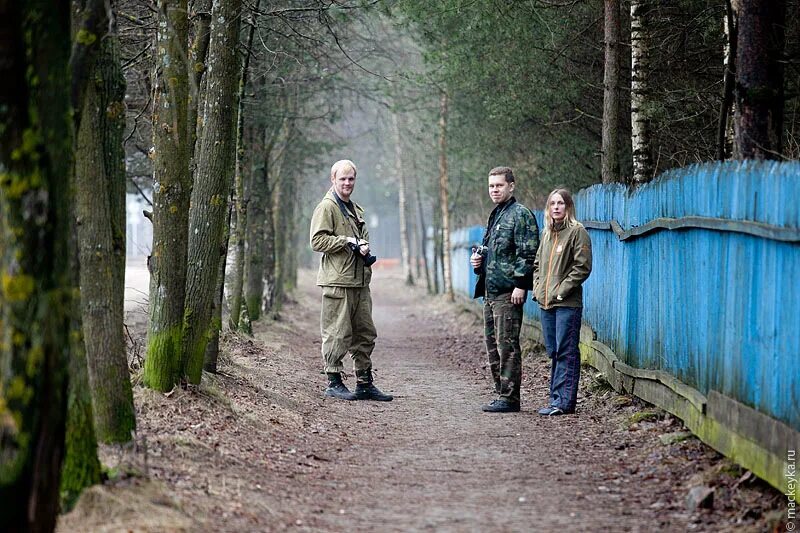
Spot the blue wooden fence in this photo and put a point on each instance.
(696, 275)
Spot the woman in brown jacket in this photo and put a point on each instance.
(563, 262)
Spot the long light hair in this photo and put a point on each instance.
(569, 205)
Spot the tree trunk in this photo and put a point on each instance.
(212, 348)
(199, 36)
(171, 189)
(641, 104)
(611, 74)
(36, 294)
(100, 210)
(257, 221)
(209, 206)
(444, 197)
(423, 234)
(240, 212)
(81, 467)
(759, 79)
(729, 80)
(405, 249)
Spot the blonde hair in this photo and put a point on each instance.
(569, 207)
(343, 164)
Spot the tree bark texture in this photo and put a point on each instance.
(405, 249)
(100, 209)
(444, 197)
(209, 205)
(611, 76)
(199, 36)
(172, 185)
(759, 79)
(641, 104)
(283, 208)
(81, 467)
(36, 298)
(257, 195)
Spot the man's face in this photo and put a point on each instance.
(499, 189)
(344, 182)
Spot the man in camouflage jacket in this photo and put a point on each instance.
(504, 264)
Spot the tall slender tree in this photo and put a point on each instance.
(611, 76)
(444, 196)
(405, 248)
(100, 210)
(641, 104)
(215, 160)
(172, 184)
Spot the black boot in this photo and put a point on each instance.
(337, 389)
(365, 390)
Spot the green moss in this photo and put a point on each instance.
(649, 415)
(85, 37)
(162, 363)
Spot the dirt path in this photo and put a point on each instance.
(258, 448)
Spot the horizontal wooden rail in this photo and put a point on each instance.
(757, 229)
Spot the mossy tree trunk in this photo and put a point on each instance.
(199, 36)
(209, 204)
(171, 190)
(37, 289)
(100, 210)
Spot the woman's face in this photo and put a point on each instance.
(558, 208)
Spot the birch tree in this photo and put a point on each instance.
(641, 105)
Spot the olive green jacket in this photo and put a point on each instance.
(563, 262)
(340, 266)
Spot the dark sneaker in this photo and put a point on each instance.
(501, 406)
(368, 391)
(340, 391)
(551, 411)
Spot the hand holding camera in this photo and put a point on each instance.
(478, 252)
(361, 247)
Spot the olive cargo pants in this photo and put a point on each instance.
(346, 325)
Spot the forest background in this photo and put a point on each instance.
(225, 116)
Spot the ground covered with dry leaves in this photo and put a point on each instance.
(258, 448)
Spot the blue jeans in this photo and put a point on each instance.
(562, 328)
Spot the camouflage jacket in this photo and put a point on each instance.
(511, 239)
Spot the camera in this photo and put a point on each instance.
(368, 259)
(480, 250)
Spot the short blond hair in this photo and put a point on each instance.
(343, 164)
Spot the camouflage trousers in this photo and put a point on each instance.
(346, 326)
(502, 321)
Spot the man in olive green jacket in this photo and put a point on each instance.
(339, 231)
